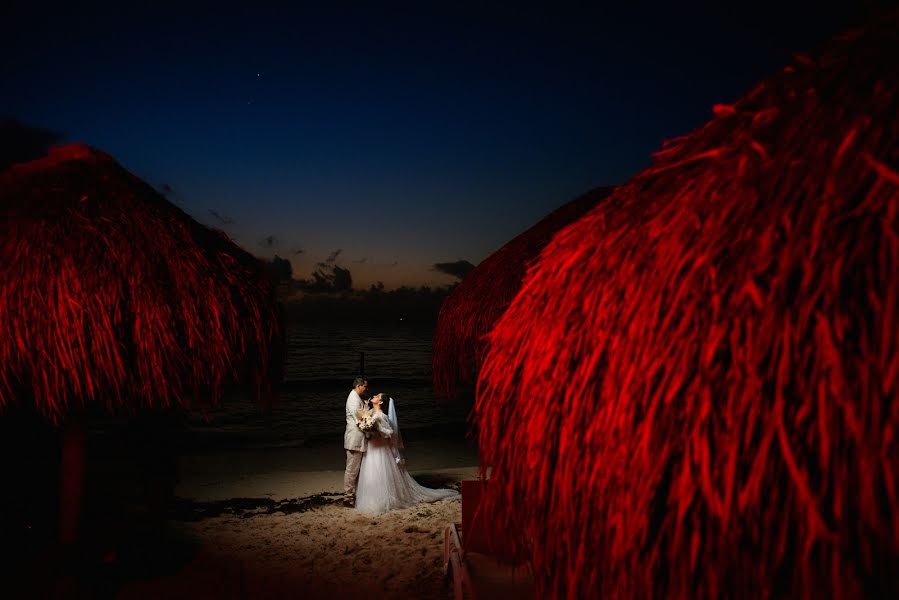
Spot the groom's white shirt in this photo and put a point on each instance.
(353, 438)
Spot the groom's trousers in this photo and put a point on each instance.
(351, 475)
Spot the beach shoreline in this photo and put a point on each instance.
(290, 472)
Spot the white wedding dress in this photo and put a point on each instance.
(384, 484)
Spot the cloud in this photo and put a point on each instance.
(268, 242)
(297, 251)
(169, 191)
(327, 279)
(21, 143)
(361, 260)
(331, 260)
(459, 269)
(224, 219)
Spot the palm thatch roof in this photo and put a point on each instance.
(110, 294)
(471, 310)
(712, 355)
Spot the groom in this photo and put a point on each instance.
(353, 441)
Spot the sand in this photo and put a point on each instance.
(327, 550)
(268, 524)
(244, 523)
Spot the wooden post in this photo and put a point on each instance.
(71, 475)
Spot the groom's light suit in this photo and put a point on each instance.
(354, 443)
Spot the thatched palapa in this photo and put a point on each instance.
(109, 293)
(112, 296)
(713, 357)
(473, 307)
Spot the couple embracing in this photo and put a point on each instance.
(376, 480)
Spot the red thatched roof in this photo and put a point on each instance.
(474, 306)
(109, 293)
(712, 358)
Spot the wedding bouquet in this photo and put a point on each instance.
(365, 421)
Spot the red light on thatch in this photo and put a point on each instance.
(109, 293)
(473, 307)
(712, 356)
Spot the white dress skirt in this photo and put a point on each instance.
(384, 484)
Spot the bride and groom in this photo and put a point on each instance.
(376, 480)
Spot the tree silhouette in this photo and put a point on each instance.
(343, 280)
(281, 267)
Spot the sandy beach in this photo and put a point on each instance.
(312, 546)
(275, 516)
(268, 523)
(246, 520)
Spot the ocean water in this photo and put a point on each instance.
(321, 362)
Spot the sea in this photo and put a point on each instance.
(321, 362)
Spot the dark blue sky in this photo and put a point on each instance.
(402, 137)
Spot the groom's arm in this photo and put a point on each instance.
(352, 405)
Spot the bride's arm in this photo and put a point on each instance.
(384, 427)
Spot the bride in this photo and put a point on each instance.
(384, 484)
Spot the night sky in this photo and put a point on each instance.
(400, 137)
